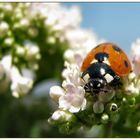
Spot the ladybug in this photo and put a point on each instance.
(103, 68)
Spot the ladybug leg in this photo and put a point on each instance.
(85, 76)
(87, 88)
(116, 81)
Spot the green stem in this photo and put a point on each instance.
(108, 130)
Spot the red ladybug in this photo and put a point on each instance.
(104, 66)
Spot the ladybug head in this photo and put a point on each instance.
(95, 85)
(99, 77)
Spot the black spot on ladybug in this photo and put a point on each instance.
(101, 56)
(126, 63)
(116, 48)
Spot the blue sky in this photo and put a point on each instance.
(115, 22)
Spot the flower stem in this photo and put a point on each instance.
(108, 130)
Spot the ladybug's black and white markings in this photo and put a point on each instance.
(99, 74)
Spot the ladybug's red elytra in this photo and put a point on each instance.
(104, 66)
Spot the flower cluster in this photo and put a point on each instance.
(18, 51)
(132, 84)
(31, 35)
(71, 96)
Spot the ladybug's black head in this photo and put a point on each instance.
(95, 85)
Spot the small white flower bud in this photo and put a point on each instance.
(131, 76)
(138, 128)
(60, 116)
(32, 50)
(4, 27)
(98, 107)
(104, 118)
(124, 99)
(20, 51)
(24, 22)
(8, 7)
(51, 40)
(69, 55)
(8, 41)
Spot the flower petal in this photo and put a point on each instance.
(56, 92)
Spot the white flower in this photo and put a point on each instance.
(41, 9)
(20, 85)
(81, 38)
(7, 63)
(71, 97)
(20, 51)
(132, 84)
(24, 22)
(67, 19)
(32, 50)
(56, 15)
(72, 74)
(4, 26)
(74, 56)
(8, 7)
(8, 41)
(135, 49)
(131, 76)
(131, 89)
(5, 67)
(73, 100)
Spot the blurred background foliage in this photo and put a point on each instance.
(27, 116)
